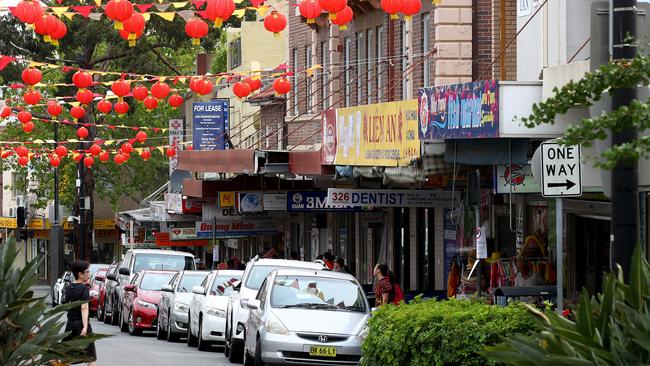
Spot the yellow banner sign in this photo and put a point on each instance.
(226, 199)
(40, 224)
(383, 134)
(8, 222)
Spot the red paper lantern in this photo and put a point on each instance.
(104, 106)
(21, 151)
(45, 25)
(126, 156)
(126, 148)
(343, 17)
(333, 6)
(61, 151)
(28, 127)
(23, 160)
(194, 85)
(196, 29)
(82, 79)
(60, 32)
(219, 11)
(84, 96)
(204, 86)
(275, 22)
(146, 154)
(89, 161)
(118, 159)
(241, 89)
(120, 87)
(77, 112)
(141, 136)
(24, 116)
(82, 132)
(411, 8)
(32, 76)
(78, 157)
(6, 112)
(134, 26)
(95, 149)
(254, 82)
(150, 103)
(28, 11)
(54, 108)
(119, 11)
(121, 108)
(281, 86)
(32, 97)
(104, 156)
(140, 92)
(55, 160)
(392, 7)
(175, 101)
(171, 152)
(160, 90)
(310, 10)
(6, 154)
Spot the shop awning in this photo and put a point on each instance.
(237, 161)
(308, 163)
(211, 188)
(163, 240)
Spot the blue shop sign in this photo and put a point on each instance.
(210, 124)
(310, 201)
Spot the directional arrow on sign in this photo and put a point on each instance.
(568, 184)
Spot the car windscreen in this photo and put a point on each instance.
(223, 285)
(190, 280)
(257, 276)
(155, 281)
(162, 262)
(310, 292)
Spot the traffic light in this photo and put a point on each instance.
(20, 217)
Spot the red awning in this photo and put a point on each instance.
(211, 188)
(238, 161)
(308, 163)
(162, 240)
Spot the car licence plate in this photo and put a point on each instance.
(322, 351)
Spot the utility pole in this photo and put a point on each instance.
(82, 204)
(625, 177)
(56, 231)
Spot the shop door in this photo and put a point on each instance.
(591, 237)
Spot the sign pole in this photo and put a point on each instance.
(559, 254)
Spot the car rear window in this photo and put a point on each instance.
(155, 281)
(164, 262)
(190, 280)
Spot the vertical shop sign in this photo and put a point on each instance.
(175, 139)
(210, 124)
(459, 111)
(328, 153)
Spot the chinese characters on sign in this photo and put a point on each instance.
(210, 125)
(469, 110)
(175, 139)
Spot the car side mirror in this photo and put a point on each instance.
(125, 271)
(111, 276)
(129, 287)
(167, 288)
(237, 287)
(253, 304)
(199, 290)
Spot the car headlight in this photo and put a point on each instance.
(145, 304)
(274, 325)
(181, 307)
(363, 333)
(216, 312)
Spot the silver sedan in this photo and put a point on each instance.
(175, 304)
(306, 317)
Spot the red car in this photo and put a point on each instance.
(96, 288)
(101, 296)
(140, 300)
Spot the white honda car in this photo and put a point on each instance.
(306, 317)
(237, 314)
(207, 313)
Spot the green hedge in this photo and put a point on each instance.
(430, 332)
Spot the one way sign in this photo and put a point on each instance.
(561, 174)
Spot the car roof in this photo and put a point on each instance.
(192, 271)
(160, 251)
(310, 273)
(155, 271)
(287, 263)
(228, 272)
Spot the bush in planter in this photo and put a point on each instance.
(430, 332)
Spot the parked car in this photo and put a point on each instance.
(140, 302)
(306, 317)
(101, 299)
(136, 260)
(58, 290)
(96, 283)
(207, 318)
(237, 314)
(94, 267)
(111, 302)
(175, 304)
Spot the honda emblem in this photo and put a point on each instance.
(322, 338)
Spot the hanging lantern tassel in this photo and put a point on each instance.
(218, 22)
(196, 41)
(131, 42)
(332, 16)
(55, 42)
(118, 25)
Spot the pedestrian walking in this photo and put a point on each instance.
(339, 265)
(384, 291)
(78, 317)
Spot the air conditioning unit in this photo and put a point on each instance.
(12, 211)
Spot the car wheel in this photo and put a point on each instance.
(226, 346)
(248, 359)
(116, 317)
(131, 325)
(160, 334)
(107, 319)
(236, 351)
(258, 353)
(191, 340)
(100, 313)
(124, 327)
(171, 336)
(202, 344)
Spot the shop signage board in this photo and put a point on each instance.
(250, 201)
(226, 199)
(382, 134)
(210, 124)
(182, 233)
(275, 201)
(175, 139)
(389, 198)
(239, 227)
(459, 111)
(194, 204)
(520, 177)
(561, 170)
(313, 201)
(173, 202)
